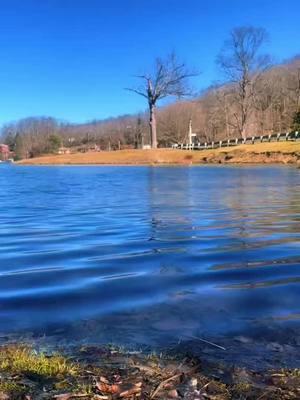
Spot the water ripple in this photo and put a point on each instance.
(217, 248)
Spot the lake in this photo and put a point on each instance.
(149, 254)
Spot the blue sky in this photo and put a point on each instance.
(71, 59)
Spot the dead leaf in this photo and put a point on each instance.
(130, 389)
(130, 392)
(105, 387)
(67, 396)
(173, 394)
(103, 379)
(100, 397)
(63, 396)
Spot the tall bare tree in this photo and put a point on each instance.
(294, 81)
(242, 63)
(169, 78)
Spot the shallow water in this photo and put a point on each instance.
(149, 254)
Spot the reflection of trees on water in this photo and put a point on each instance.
(248, 215)
(263, 210)
(201, 219)
(170, 201)
(258, 200)
(264, 206)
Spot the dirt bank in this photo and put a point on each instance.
(264, 153)
(110, 373)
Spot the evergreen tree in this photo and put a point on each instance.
(19, 148)
(54, 143)
(296, 122)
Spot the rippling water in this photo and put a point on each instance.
(156, 253)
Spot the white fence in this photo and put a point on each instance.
(277, 137)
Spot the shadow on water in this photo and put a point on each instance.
(151, 255)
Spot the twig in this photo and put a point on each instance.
(263, 395)
(179, 366)
(206, 341)
(162, 384)
(68, 396)
(204, 387)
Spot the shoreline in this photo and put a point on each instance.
(278, 153)
(110, 372)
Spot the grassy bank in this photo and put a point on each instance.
(111, 373)
(278, 152)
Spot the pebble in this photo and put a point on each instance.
(193, 382)
(243, 339)
(274, 347)
(173, 394)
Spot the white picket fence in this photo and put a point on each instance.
(277, 137)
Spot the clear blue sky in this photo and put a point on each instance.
(71, 59)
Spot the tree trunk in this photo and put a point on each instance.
(152, 122)
(226, 118)
(244, 116)
(244, 133)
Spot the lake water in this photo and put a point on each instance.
(149, 254)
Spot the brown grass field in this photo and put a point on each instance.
(277, 152)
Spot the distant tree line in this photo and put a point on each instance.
(255, 97)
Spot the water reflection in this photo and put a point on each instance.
(148, 254)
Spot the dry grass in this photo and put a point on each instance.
(281, 152)
(22, 359)
(284, 147)
(114, 374)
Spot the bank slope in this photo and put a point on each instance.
(264, 153)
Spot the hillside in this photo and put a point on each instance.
(273, 109)
(266, 153)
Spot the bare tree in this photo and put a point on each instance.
(169, 78)
(173, 122)
(243, 65)
(294, 81)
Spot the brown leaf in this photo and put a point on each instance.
(103, 379)
(107, 388)
(63, 396)
(173, 394)
(67, 396)
(130, 392)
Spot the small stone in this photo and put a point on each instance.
(243, 339)
(288, 347)
(297, 339)
(274, 346)
(194, 382)
(173, 394)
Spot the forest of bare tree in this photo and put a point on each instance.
(254, 97)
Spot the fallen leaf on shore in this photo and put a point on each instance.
(136, 389)
(163, 383)
(63, 396)
(67, 396)
(103, 385)
(173, 394)
(122, 390)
